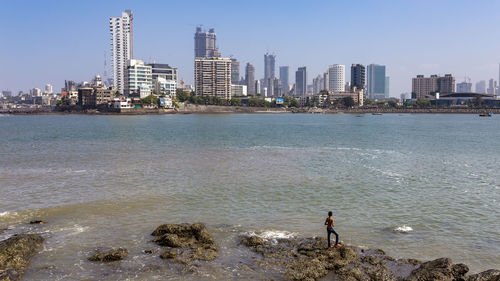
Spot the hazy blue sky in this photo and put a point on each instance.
(50, 41)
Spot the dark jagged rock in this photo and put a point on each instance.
(109, 255)
(253, 241)
(440, 270)
(9, 274)
(488, 275)
(16, 253)
(302, 259)
(187, 242)
(170, 253)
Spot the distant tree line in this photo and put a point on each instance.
(183, 96)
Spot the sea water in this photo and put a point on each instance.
(418, 186)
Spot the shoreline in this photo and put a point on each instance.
(214, 109)
(191, 248)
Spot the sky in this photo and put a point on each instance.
(49, 41)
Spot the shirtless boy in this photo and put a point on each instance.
(330, 223)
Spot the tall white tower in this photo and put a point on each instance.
(336, 78)
(122, 47)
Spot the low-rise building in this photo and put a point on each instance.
(93, 97)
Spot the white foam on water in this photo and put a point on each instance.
(272, 234)
(8, 214)
(403, 228)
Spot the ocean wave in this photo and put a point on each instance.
(403, 229)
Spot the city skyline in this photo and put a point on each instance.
(83, 43)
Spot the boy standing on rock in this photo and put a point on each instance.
(330, 223)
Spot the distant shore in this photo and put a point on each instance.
(215, 109)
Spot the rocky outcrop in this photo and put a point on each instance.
(16, 253)
(440, 270)
(185, 242)
(310, 259)
(488, 275)
(109, 255)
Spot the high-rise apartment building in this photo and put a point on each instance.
(421, 86)
(122, 47)
(269, 65)
(250, 79)
(138, 79)
(358, 76)
(205, 44)
(446, 84)
(284, 75)
(212, 77)
(235, 71)
(301, 81)
(376, 81)
(336, 77)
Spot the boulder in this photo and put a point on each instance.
(109, 255)
(440, 270)
(488, 275)
(16, 253)
(186, 242)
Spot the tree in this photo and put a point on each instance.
(117, 94)
(392, 103)
(182, 95)
(290, 102)
(151, 99)
(423, 103)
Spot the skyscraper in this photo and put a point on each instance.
(122, 49)
(284, 79)
(301, 81)
(358, 72)
(376, 81)
(318, 84)
(212, 77)
(235, 71)
(336, 76)
(269, 64)
(481, 87)
(491, 87)
(205, 44)
(464, 87)
(250, 79)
